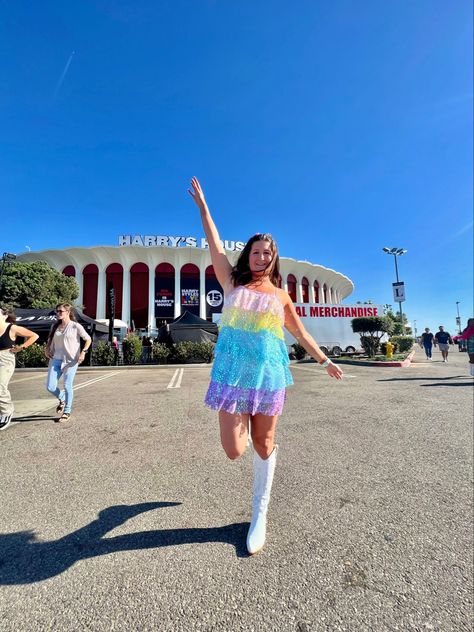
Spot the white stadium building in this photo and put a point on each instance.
(155, 278)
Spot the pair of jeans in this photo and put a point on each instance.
(428, 349)
(54, 374)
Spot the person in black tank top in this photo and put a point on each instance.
(8, 348)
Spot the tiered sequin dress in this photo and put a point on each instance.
(251, 367)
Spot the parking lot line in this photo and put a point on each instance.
(96, 379)
(26, 379)
(314, 371)
(175, 381)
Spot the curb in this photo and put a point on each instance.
(400, 364)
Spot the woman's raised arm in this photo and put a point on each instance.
(221, 264)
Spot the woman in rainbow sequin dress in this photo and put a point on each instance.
(251, 367)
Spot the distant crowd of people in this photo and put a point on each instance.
(443, 339)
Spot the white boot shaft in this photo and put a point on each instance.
(263, 471)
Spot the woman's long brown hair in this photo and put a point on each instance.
(241, 273)
(10, 314)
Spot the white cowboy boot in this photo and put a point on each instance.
(263, 470)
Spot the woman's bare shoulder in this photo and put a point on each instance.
(283, 296)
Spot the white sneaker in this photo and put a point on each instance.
(5, 421)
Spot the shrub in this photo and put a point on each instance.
(404, 343)
(188, 351)
(369, 344)
(371, 329)
(299, 351)
(132, 349)
(32, 356)
(160, 352)
(103, 354)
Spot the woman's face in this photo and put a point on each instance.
(3, 317)
(260, 257)
(62, 312)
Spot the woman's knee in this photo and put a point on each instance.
(233, 452)
(263, 444)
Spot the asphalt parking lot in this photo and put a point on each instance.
(130, 517)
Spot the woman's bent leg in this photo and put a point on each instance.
(234, 433)
(54, 373)
(69, 376)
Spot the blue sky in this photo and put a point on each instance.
(341, 127)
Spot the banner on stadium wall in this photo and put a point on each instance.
(214, 297)
(190, 295)
(164, 296)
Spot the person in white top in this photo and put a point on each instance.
(64, 352)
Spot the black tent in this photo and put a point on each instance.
(40, 321)
(188, 327)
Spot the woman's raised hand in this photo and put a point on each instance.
(197, 193)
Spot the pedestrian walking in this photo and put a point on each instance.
(64, 352)
(443, 340)
(251, 367)
(468, 334)
(9, 332)
(426, 342)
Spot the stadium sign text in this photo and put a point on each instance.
(150, 241)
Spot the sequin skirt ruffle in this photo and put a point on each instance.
(249, 374)
(234, 399)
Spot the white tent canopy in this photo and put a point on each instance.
(118, 324)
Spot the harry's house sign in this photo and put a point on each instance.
(148, 241)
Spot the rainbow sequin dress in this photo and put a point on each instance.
(251, 367)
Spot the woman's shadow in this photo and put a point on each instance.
(24, 560)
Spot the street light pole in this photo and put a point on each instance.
(458, 318)
(396, 252)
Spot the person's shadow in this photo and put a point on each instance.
(23, 560)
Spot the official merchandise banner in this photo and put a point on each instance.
(164, 297)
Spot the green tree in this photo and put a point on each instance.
(36, 284)
(399, 328)
(371, 330)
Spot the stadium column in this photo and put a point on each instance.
(177, 290)
(299, 295)
(151, 297)
(312, 295)
(126, 294)
(202, 291)
(79, 281)
(101, 293)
